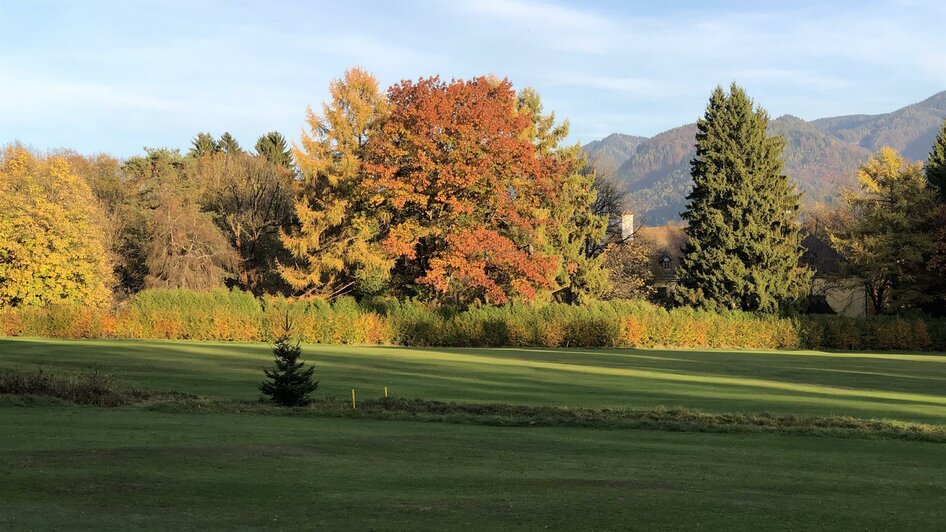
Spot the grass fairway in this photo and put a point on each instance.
(89, 468)
(73, 467)
(899, 386)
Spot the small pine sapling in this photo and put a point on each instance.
(289, 382)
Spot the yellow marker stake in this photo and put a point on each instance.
(385, 391)
(352, 398)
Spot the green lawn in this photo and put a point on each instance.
(899, 386)
(72, 467)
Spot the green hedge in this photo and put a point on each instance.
(235, 315)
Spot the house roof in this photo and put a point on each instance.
(819, 255)
(663, 240)
(669, 241)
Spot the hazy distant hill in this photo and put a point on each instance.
(608, 153)
(906, 130)
(658, 174)
(821, 156)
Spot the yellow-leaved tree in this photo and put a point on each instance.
(52, 240)
(332, 246)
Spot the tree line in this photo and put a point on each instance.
(455, 192)
(459, 193)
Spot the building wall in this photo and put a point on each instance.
(847, 297)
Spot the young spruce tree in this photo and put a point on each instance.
(289, 382)
(743, 245)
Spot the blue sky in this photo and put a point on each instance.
(116, 76)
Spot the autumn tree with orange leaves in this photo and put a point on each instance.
(463, 192)
(457, 192)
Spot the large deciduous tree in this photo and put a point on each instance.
(743, 245)
(334, 246)
(250, 199)
(169, 240)
(463, 192)
(52, 240)
(146, 179)
(187, 250)
(885, 234)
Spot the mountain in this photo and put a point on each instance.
(658, 174)
(821, 156)
(608, 153)
(905, 130)
(819, 163)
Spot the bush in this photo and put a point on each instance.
(89, 389)
(235, 315)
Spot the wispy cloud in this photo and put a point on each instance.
(639, 68)
(625, 85)
(550, 25)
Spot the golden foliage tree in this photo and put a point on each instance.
(628, 266)
(332, 247)
(52, 241)
(885, 233)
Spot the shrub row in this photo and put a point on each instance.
(88, 389)
(235, 315)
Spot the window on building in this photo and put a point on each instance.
(665, 262)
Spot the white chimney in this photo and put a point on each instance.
(627, 225)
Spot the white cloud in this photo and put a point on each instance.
(627, 85)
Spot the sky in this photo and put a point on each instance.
(118, 76)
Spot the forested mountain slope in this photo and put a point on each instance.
(821, 156)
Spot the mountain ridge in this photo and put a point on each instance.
(821, 155)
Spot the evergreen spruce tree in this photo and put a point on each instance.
(936, 164)
(936, 177)
(203, 144)
(229, 145)
(289, 382)
(275, 149)
(743, 245)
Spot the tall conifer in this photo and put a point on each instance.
(203, 144)
(275, 149)
(229, 145)
(936, 164)
(743, 244)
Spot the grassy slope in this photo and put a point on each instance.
(897, 386)
(94, 468)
